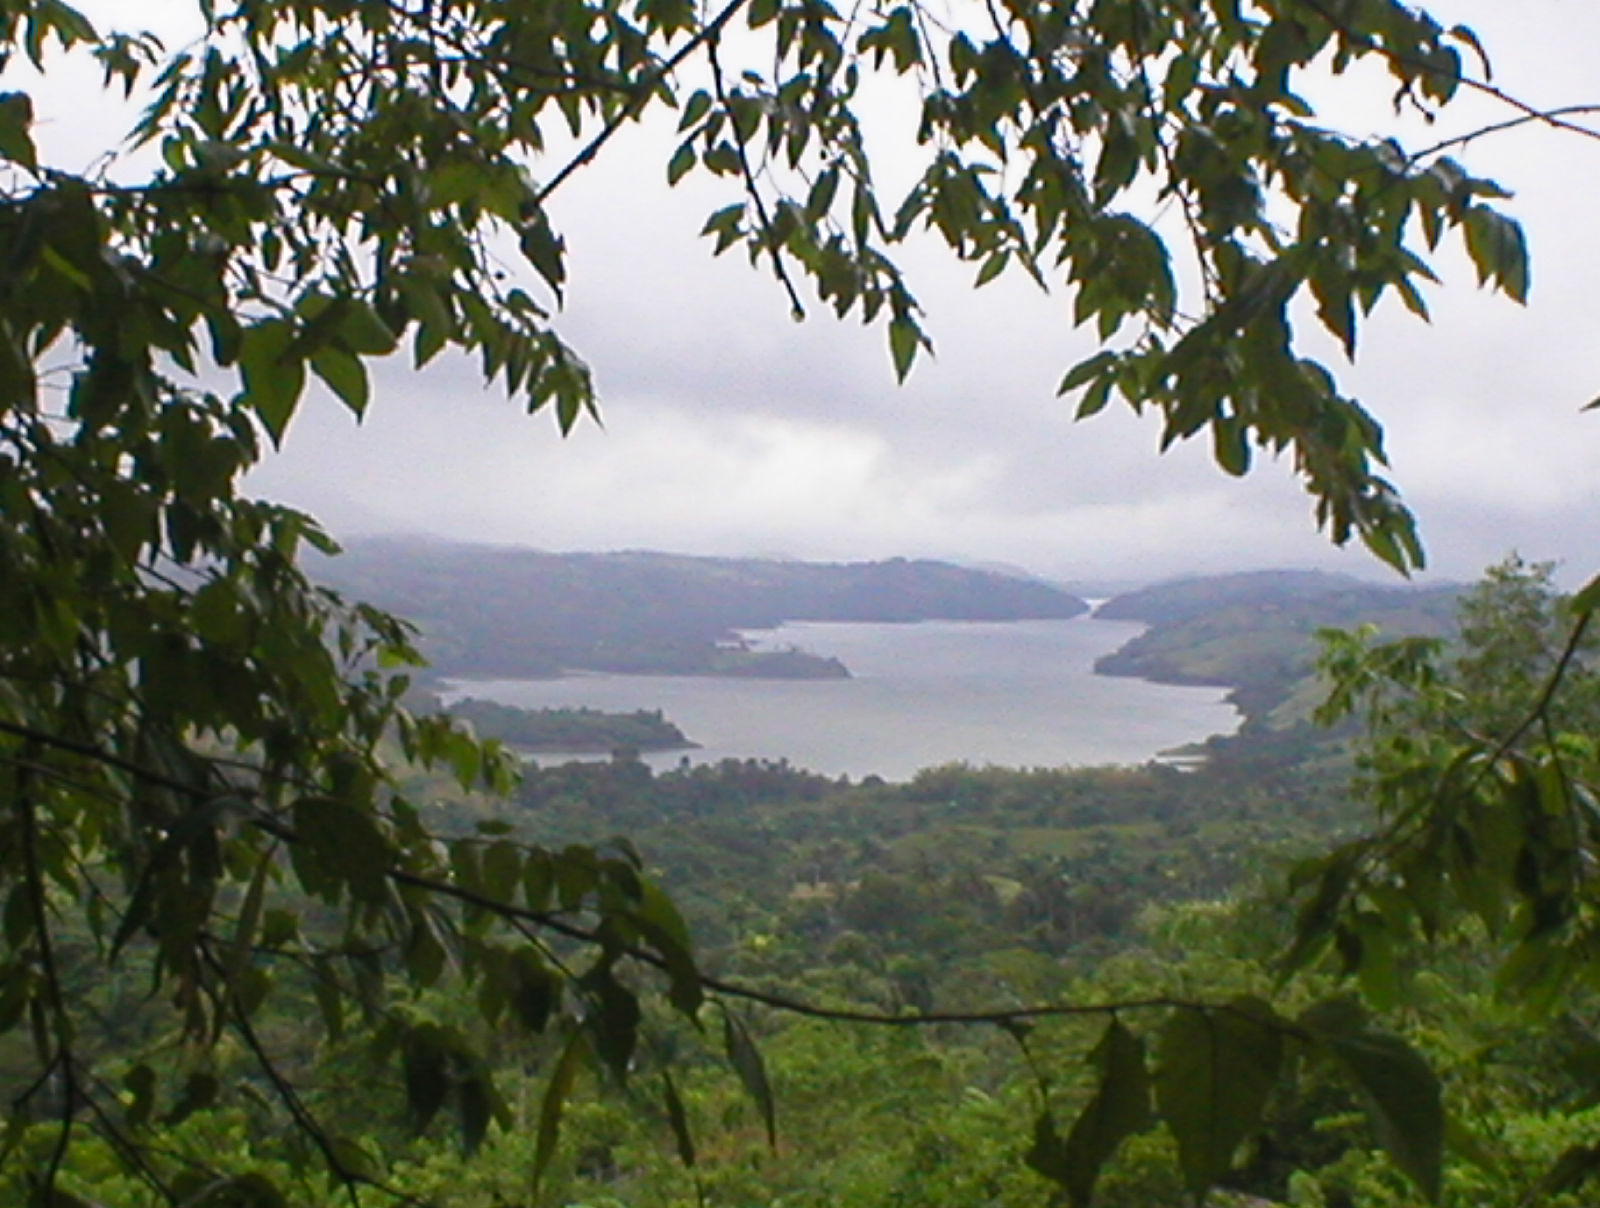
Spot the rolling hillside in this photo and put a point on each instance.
(1256, 632)
(488, 610)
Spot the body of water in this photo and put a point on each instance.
(1016, 693)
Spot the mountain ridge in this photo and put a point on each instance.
(1254, 632)
(515, 612)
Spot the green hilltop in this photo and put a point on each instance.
(1255, 632)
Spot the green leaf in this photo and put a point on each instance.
(682, 160)
(678, 1119)
(353, 1158)
(1314, 922)
(1094, 399)
(215, 613)
(614, 1022)
(329, 994)
(244, 932)
(474, 1109)
(546, 251)
(200, 1091)
(16, 116)
(658, 918)
(425, 1065)
(345, 375)
(752, 1071)
(338, 844)
(361, 330)
(554, 1103)
(1586, 598)
(70, 25)
(273, 376)
(1332, 291)
(1216, 1068)
(1231, 445)
(535, 990)
(140, 1082)
(425, 955)
(698, 105)
(1119, 1108)
(992, 268)
(1048, 1153)
(904, 338)
(20, 917)
(195, 827)
(1498, 250)
(1398, 1089)
(1119, 157)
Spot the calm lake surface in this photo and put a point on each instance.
(1015, 693)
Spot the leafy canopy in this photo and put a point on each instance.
(197, 745)
(1482, 762)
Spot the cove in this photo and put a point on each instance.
(1010, 693)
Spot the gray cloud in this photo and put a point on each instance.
(729, 428)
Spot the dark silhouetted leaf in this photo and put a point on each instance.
(1216, 1068)
(1120, 1107)
(1397, 1087)
(554, 1102)
(678, 1119)
(752, 1070)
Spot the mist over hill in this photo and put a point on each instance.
(504, 611)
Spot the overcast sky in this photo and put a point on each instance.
(730, 429)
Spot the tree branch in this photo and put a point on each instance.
(1555, 118)
(631, 109)
(754, 193)
(1499, 127)
(56, 1003)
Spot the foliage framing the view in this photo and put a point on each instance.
(197, 742)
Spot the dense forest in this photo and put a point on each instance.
(841, 909)
(571, 731)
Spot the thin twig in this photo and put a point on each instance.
(100, 755)
(1551, 685)
(1554, 118)
(1510, 123)
(634, 105)
(352, 1179)
(34, 880)
(754, 192)
(132, 1153)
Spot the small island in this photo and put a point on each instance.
(572, 731)
(740, 659)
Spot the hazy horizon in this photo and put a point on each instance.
(1081, 584)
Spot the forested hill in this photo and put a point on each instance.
(494, 610)
(1255, 632)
